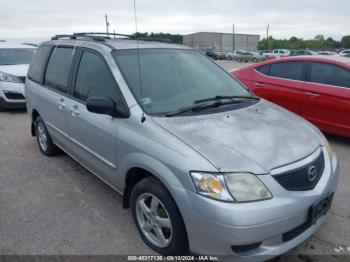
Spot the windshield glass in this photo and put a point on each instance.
(16, 56)
(172, 79)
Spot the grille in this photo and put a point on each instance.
(23, 79)
(14, 96)
(299, 179)
(295, 232)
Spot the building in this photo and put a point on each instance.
(222, 41)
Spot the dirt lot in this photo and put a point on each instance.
(54, 206)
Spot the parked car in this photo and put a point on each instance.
(14, 63)
(345, 53)
(250, 57)
(317, 88)
(198, 158)
(215, 55)
(328, 53)
(301, 52)
(233, 55)
(277, 53)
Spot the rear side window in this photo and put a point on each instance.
(263, 69)
(58, 68)
(288, 70)
(94, 79)
(328, 74)
(38, 62)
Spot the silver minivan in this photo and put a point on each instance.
(206, 166)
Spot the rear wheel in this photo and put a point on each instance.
(46, 145)
(158, 218)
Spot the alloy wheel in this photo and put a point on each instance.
(154, 220)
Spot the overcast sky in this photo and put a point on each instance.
(30, 19)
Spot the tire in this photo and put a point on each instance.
(229, 58)
(147, 217)
(45, 143)
(1, 106)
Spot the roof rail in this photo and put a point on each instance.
(92, 35)
(105, 35)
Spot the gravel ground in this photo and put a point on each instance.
(54, 206)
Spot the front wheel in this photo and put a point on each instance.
(158, 218)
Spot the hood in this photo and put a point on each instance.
(254, 139)
(16, 70)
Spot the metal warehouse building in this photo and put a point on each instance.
(222, 41)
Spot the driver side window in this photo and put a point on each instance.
(94, 79)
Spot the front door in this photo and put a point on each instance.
(326, 100)
(93, 136)
(281, 83)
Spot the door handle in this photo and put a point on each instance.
(312, 94)
(259, 84)
(61, 104)
(75, 110)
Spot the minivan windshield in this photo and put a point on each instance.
(16, 56)
(174, 79)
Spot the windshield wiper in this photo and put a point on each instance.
(201, 104)
(225, 97)
(188, 109)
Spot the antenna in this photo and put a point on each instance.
(107, 24)
(143, 119)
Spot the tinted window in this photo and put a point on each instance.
(16, 56)
(263, 69)
(94, 79)
(173, 79)
(58, 68)
(329, 74)
(38, 62)
(288, 70)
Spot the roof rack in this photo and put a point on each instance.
(92, 35)
(97, 36)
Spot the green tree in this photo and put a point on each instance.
(345, 41)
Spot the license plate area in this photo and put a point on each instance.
(320, 209)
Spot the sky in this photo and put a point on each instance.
(41, 19)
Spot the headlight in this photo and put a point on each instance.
(211, 185)
(328, 147)
(232, 187)
(9, 78)
(246, 187)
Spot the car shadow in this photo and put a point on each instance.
(14, 111)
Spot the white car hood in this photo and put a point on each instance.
(16, 70)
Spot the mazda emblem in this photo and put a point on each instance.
(312, 173)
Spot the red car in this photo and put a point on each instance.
(316, 88)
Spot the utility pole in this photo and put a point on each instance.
(107, 24)
(267, 37)
(233, 38)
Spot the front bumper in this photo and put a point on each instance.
(213, 227)
(12, 95)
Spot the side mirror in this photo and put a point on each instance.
(106, 106)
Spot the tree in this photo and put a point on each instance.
(345, 41)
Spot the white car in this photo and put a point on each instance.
(14, 64)
(345, 52)
(277, 53)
